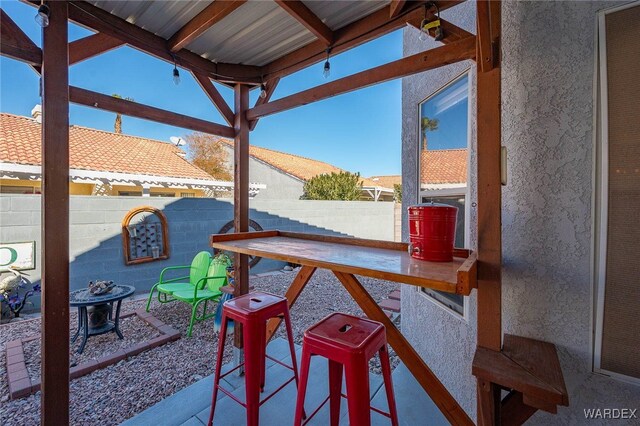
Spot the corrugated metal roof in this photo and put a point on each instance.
(256, 33)
(160, 17)
(338, 13)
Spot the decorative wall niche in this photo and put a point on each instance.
(145, 235)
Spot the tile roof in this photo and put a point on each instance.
(386, 181)
(97, 150)
(443, 166)
(297, 166)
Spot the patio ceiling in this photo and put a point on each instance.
(267, 42)
(253, 32)
(244, 41)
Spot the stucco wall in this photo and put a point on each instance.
(548, 110)
(446, 342)
(96, 241)
(280, 186)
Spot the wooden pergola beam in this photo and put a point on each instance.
(200, 23)
(489, 198)
(15, 44)
(55, 219)
(101, 101)
(99, 20)
(90, 46)
(434, 58)
(301, 13)
(488, 119)
(214, 95)
(241, 194)
(486, 58)
(359, 32)
(271, 87)
(396, 7)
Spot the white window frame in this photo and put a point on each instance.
(600, 204)
(450, 190)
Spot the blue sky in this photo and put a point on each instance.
(358, 131)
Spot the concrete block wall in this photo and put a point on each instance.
(96, 240)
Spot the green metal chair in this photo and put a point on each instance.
(201, 285)
(207, 289)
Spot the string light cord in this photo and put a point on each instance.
(181, 62)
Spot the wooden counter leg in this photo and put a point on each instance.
(423, 374)
(488, 403)
(294, 290)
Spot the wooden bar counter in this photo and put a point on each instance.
(346, 257)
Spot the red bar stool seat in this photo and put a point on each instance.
(253, 310)
(347, 342)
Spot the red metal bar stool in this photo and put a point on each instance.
(347, 342)
(253, 310)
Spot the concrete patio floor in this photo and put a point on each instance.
(190, 406)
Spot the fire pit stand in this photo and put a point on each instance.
(95, 312)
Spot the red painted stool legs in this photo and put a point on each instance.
(216, 378)
(253, 311)
(388, 385)
(348, 343)
(302, 386)
(253, 366)
(357, 378)
(335, 391)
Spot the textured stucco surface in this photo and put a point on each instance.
(446, 342)
(547, 125)
(547, 119)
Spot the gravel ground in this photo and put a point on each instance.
(134, 330)
(118, 392)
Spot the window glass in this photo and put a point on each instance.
(444, 117)
(455, 201)
(443, 162)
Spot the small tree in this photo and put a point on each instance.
(117, 125)
(397, 192)
(335, 186)
(206, 151)
(427, 125)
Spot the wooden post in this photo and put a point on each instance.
(55, 218)
(241, 192)
(489, 199)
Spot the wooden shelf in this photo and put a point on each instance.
(527, 367)
(377, 259)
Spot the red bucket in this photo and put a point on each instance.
(432, 231)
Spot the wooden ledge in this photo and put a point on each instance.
(384, 260)
(527, 366)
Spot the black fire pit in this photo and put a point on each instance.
(95, 311)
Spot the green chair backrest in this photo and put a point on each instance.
(199, 268)
(218, 268)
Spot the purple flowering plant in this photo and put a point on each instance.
(13, 293)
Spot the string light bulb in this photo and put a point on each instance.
(42, 17)
(263, 91)
(326, 72)
(176, 73)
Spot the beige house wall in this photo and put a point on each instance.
(87, 188)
